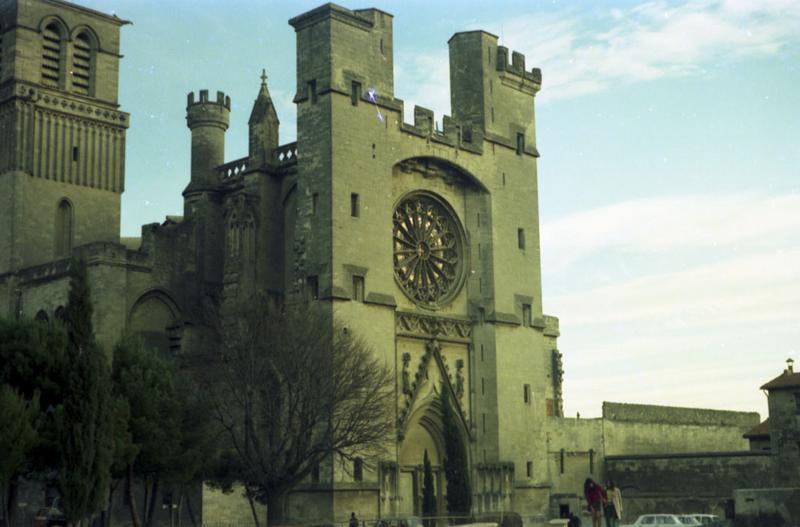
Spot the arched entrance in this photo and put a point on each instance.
(424, 433)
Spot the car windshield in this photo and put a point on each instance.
(688, 520)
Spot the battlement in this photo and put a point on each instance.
(517, 67)
(222, 99)
(202, 111)
(454, 132)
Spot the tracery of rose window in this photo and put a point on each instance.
(428, 246)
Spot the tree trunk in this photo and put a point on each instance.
(132, 497)
(251, 501)
(4, 503)
(180, 507)
(276, 510)
(152, 504)
(190, 511)
(11, 503)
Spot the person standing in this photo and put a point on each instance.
(353, 520)
(595, 495)
(613, 507)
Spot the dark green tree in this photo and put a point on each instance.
(456, 464)
(17, 437)
(31, 363)
(428, 492)
(86, 418)
(145, 381)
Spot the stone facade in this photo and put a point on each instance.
(424, 241)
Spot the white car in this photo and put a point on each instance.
(663, 519)
(705, 519)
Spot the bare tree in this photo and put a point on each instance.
(292, 388)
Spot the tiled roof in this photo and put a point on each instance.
(760, 430)
(784, 380)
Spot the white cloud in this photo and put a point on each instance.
(427, 77)
(717, 317)
(665, 224)
(646, 42)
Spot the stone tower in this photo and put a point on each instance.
(425, 241)
(208, 121)
(62, 135)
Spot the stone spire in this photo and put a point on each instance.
(263, 126)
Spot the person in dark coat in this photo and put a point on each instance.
(595, 496)
(353, 520)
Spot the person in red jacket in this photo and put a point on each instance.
(595, 496)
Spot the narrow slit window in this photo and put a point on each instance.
(529, 469)
(520, 143)
(312, 91)
(64, 229)
(561, 461)
(591, 461)
(314, 203)
(355, 93)
(312, 288)
(358, 469)
(483, 386)
(526, 393)
(358, 288)
(354, 205)
(521, 238)
(74, 153)
(526, 315)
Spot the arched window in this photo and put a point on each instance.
(41, 316)
(83, 64)
(241, 237)
(233, 236)
(64, 231)
(60, 313)
(52, 55)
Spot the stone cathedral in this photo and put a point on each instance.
(425, 241)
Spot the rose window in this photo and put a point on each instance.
(428, 249)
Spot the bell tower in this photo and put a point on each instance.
(62, 135)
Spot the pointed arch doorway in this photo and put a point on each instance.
(424, 433)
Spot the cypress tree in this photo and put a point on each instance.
(86, 418)
(428, 492)
(456, 464)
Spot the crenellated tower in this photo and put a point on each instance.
(491, 93)
(208, 121)
(62, 134)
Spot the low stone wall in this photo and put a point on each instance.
(685, 483)
(767, 507)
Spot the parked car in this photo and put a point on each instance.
(408, 521)
(706, 519)
(50, 517)
(663, 519)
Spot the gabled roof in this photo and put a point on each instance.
(759, 431)
(783, 381)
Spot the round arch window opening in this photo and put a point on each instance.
(428, 243)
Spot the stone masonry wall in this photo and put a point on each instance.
(686, 483)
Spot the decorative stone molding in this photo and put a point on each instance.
(429, 326)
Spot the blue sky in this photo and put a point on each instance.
(669, 179)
